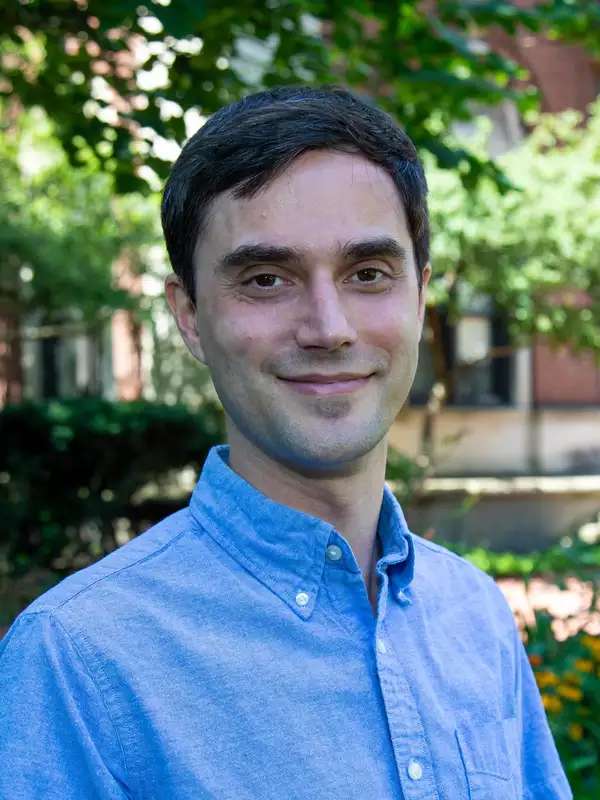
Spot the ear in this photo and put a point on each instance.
(426, 275)
(185, 315)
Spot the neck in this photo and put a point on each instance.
(348, 498)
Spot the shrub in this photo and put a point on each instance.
(405, 473)
(70, 471)
(567, 670)
(568, 676)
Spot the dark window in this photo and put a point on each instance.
(49, 367)
(479, 376)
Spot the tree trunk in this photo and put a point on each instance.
(11, 365)
(439, 391)
(127, 336)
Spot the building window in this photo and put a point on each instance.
(69, 365)
(473, 354)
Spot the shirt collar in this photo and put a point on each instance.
(285, 548)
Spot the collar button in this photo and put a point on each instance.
(302, 599)
(333, 552)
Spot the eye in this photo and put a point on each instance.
(369, 275)
(264, 280)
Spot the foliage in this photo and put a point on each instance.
(535, 251)
(175, 376)
(72, 474)
(567, 670)
(90, 66)
(405, 473)
(567, 673)
(62, 229)
(65, 240)
(572, 557)
(117, 77)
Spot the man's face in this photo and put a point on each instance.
(313, 276)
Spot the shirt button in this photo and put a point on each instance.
(415, 770)
(381, 646)
(333, 552)
(302, 599)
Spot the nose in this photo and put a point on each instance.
(325, 322)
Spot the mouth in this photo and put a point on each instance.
(327, 384)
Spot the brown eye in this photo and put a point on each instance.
(265, 281)
(369, 274)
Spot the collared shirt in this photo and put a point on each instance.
(231, 653)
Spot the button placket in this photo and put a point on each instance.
(411, 749)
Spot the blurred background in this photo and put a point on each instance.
(105, 419)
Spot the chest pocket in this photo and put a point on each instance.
(486, 756)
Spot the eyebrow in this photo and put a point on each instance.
(372, 248)
(248, 254)
(261, 253)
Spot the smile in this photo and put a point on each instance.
(327, 386)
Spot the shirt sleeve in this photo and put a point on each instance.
(57, 740)
(541, 769)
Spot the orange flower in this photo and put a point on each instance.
(593, 644)
(546, 679)
(551, 703)
(570, 692)
(535, 660)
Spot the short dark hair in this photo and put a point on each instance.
(248, 143)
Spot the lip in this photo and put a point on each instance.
(327, 384)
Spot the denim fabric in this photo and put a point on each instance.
(231, 653)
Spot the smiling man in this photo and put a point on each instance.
(285, 635)
(308, 308)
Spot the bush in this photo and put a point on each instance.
(568, 676)
(567, 671)
(405, 473)
(573, 557)
(70, 471)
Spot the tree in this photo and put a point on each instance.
(117, 77)
(536, 249)
(61, 230)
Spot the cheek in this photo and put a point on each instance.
(243, 336)
(393, 328)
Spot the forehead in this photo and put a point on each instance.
(321, 199)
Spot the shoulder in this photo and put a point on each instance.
(436, 555)
(115, 580)
(450, 580)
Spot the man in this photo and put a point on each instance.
(285, 636)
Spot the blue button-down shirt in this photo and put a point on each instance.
(231, 653)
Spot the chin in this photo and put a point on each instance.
(322, 453)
